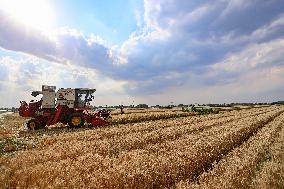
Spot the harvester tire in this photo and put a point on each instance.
(76, 120)
(33, 124)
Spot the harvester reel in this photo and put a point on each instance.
(76, 120)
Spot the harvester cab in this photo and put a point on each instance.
(68, 106)
(75, 98)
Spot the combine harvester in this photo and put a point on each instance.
(67, 106)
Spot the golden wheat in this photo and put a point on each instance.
(153, 154)
(239, 168)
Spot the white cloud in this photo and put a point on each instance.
(235, 5)
(60, 45)
(263, 33)
(257, 55)
(181, 45)
(28, 73)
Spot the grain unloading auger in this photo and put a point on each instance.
(67, 106)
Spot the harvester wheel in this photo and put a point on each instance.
(33, 124)
(76, 120)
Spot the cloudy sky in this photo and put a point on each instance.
(151, 51)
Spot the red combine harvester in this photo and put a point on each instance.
(67, 106)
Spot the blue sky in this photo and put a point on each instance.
(112, 20)
(153, 52)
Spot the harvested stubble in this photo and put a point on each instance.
(271, 172)
(142, 111)
(79, 159)
(150, 116)
(165, 134)
(8, 129)
(148, 131)
(123, 130)
(244, 166)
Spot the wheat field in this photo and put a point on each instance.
(233, 149)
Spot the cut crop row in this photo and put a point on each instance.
(240, 167)
(144, 127)
(270, 173)
(112, 146)
(150, 116)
